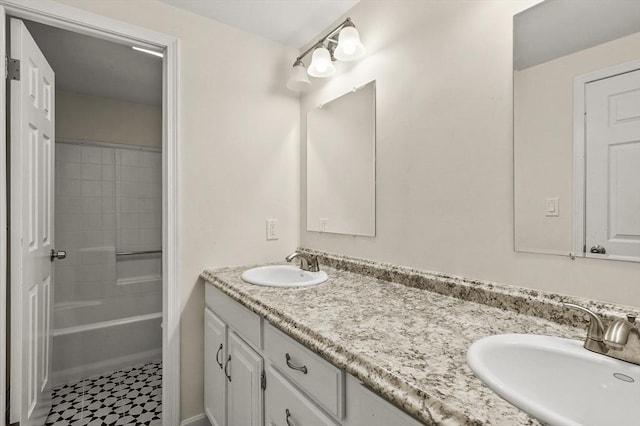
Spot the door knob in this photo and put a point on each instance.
(598, 249)
(57, 254)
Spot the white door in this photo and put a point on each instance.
(3, 232)
(31, 228)
(613, 167)
(215, 355)
(246, 396)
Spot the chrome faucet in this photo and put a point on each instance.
(307, 262)
(620, 340)
(595, 333)
(617, 334)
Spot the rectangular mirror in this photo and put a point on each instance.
(341, 164)
(577, 128)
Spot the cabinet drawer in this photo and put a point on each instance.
(285, 405)
(366, 408)
(323, 381)
(246, 323)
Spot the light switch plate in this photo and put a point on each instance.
(553, 207)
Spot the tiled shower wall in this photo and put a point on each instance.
(108, 200)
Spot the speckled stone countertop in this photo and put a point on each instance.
(406, 341)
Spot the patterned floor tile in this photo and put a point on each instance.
(127, 397)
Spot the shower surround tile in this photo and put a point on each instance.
(128, 397)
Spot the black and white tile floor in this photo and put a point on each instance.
(128, 397)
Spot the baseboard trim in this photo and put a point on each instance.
(199, 420)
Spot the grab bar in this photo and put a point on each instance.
(133, 253)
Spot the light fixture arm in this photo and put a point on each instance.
(346, 23)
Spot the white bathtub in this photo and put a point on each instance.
(92, 349)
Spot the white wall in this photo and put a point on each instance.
(544, 141)
(80, 116)
(443, 72)
(238, 156)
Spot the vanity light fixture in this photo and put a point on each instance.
(347, 47)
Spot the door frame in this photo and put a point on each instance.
(580, 148)
(69, 18)
(4, 246)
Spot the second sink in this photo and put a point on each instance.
(283, 276)
(558, 381)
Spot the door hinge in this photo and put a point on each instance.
(263, 381)
(12, 68)
(584, 248)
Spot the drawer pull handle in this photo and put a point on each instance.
(288, 413)
(295, 367)
(218, 356)
(226, 364)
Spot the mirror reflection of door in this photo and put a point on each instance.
(612, 217)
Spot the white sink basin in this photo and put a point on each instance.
(283, 276)
(557, 380)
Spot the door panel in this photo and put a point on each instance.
(32, 134)
(613, 166)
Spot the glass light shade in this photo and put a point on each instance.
(349, 46)
(321, 65)
(298, 78)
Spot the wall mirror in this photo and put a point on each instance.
(341, 164)
(577, 128)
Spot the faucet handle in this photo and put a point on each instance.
(596, 327)
(631, 318)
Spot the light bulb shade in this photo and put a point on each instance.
(321, 65)
(298, 78)
(349, 46)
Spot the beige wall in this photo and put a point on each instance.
(238, 156)
(445, 149)
(93, 118)
(543, 126)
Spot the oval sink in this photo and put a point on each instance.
(558, 381)
(283, 276)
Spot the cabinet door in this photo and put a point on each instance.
(215, 355)
(246, 396)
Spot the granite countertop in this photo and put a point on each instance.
(407, 344)
(405, 332)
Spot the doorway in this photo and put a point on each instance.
(88, 24)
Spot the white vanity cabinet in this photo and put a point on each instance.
(234, 368)
(366, 408)
(215, 382)
(255, 374)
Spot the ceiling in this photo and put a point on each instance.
(92, 66)
(556, 28)
(290, 22)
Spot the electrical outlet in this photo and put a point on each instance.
(272, 229)
(324, 223)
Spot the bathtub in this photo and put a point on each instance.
(93, 349)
